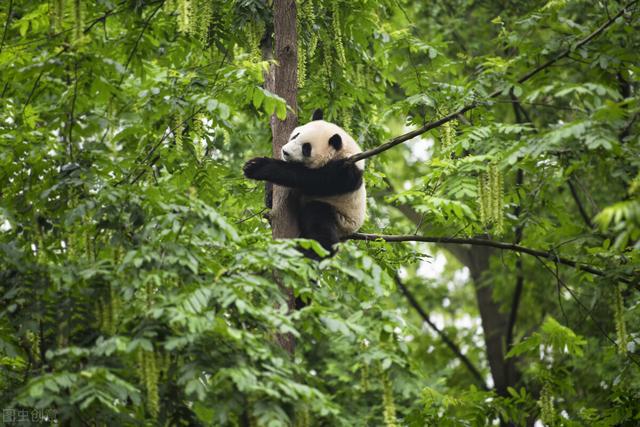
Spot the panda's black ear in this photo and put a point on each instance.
(317, 114)
(336, 142)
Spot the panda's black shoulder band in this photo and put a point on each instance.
(336, 177)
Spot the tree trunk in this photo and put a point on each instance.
(282, 80)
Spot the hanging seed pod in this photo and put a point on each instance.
(621, 327)
(56, 15)
(78, 19)
(302, 64)
(184, 21)
(547, 413)
(201, 16)
(337, 33)
(388, 403)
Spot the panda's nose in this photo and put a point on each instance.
(285, 153)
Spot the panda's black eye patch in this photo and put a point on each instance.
(294, 136)
(306, 149)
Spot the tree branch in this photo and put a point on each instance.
(6, 25)
(521, 115)
(146, 24)
(587, 311)
(410, 135)
(488, 243)
(452, 346)
(583, 211)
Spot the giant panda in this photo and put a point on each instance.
(330, 191)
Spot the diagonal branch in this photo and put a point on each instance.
(586, 309)
(6, 25)
(452, 346)
(410, 135)
(583, 212)
(146, 24)
(521, 116)
(489, 243)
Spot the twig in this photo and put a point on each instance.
(540, 104)
(33, 90)
(587, 311)
(489, 243)
(147, 22)
(517, 293)
(171, 130)
(94, 21)
(452, 346)
(6, 25)
(583, 212)
(410, 135)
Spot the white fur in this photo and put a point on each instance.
(350, 207)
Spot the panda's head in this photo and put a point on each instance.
(318, 142)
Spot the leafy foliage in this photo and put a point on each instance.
(137, 272)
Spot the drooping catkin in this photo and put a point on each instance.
(388, 403)
(491, 198)
(497, 197)
(337, 33)
(303, 418)
(148, 372)
(184, 16)
(177, 128)
(621, 327)
(34, 342)
(78, 19)
(254, 35)
(56, 15)
(309, 18)
(545, 402)
(201, 15)
(482, 199)
(364, 377)
(447, 134)
(327, 57)
(302, 64)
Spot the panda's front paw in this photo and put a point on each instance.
(255, 168)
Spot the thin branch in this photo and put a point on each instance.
(168, 133)
(583, 211)
(587, 311)
(147, 22)
(33, 90)
(452, 346)
(540, 104)
(6, 25)
(410, 135)
(488, 243)
(92, 23)
(521, 115)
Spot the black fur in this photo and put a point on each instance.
(317, 115)
(317, 221)
(336, 177)
(336, 142)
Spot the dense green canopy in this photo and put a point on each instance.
(140, 284)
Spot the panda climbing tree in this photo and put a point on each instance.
(328, 190)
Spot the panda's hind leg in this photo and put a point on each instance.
(317, 221)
